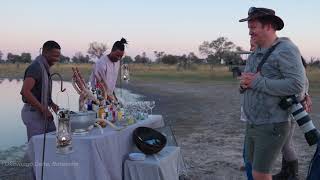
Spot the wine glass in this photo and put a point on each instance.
(151, 105)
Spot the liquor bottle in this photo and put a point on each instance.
(112, 113)
(89, 105)
(119, 114)
(101, 112)
(108, 111)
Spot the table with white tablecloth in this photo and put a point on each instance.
(95, 155)
(164, 165)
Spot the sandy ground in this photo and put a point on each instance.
(205, 120)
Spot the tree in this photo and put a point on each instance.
(170, 59)
(216, 47)
(212, 59)
(10, 57)
(314, 62)
(127, 60)
(64, 59)
(232, 58)
(219, 49)
(80, 58)
(193, 58)
(142, 59)
(1, 54)
(25, 58)
(137, 59)
(1, 60)
(96, 50)
(13, 58)
(185, 61)
(238, 48)
(158, 55)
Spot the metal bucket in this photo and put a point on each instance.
(80, 121)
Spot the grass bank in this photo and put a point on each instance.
(157, 72)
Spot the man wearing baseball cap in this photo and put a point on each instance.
(282, 74)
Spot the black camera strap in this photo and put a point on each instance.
(265, 57)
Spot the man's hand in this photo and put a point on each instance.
(246, 79)
(307, 103)
(54, 107)
(111, 98)
(47, 113)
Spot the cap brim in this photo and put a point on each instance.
(244, 19)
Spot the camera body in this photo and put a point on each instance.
(303, 119)
(287, 102)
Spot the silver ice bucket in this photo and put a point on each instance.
(80, 121)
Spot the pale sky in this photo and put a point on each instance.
(173, 26)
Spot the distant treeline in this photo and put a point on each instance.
(219, 51)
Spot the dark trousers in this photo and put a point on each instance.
(34, 121)
(247, 164)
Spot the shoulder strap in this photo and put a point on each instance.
(265, 57)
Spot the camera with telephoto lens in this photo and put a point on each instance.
(301, 117)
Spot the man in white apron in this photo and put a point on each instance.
(105, 71)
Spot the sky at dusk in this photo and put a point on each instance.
(173, 26)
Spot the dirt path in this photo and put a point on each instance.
(205, 121)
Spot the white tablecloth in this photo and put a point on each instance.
(161, 166)
(96, 156)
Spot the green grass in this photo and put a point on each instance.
(196, 74)
(185, 77)
(12, 70)
(314, 80)
(157, 72)
(17, 71)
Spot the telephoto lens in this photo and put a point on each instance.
(311, 133)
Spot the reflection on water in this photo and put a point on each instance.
(12, 129)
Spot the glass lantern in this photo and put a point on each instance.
(64, 134)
